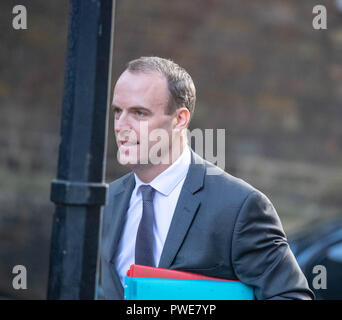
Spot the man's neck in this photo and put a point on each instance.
(148, 172)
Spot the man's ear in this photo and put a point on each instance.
(182, 118)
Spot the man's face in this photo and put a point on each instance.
(139, 103)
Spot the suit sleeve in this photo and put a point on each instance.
(261, 255)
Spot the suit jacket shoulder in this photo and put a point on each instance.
(231, 190)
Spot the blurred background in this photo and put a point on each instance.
(261, 71)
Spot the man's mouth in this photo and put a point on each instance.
(127, 143)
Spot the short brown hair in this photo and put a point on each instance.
(181, 87)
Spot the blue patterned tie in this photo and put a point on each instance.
(144, 240)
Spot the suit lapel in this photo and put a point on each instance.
(119, 209)
(186, 209)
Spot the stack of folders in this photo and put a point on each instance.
(149, 283)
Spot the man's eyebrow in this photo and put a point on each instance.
(132, 108)
(113, 106)
(141, 108)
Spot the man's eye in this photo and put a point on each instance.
(139, 113)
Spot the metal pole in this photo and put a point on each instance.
(79, 190)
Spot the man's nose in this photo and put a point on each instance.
(121, 122)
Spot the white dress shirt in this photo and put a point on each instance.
(168, 186)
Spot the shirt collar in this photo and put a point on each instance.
(166, 181)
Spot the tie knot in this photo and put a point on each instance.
(147, 192)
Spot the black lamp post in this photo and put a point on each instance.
(79, 190)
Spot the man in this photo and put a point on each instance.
(170, 212)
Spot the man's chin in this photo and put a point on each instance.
(132, 161)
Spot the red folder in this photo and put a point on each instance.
(139, 271)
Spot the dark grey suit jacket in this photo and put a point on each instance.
(221, 227)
